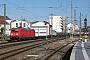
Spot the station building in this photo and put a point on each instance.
(42, 28)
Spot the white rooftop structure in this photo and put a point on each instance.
(20, 23)
(75, 28)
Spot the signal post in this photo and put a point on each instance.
(85, 30)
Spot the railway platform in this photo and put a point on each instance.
(81, 51)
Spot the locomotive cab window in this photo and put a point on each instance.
(16, 24)
(14, 30)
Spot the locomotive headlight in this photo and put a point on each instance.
(16, 33)
(11, 33)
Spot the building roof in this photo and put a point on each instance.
(2, 19)
(40, 21)
(18, 20)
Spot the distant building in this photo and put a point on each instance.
(19, 23)
(7, 21)
(71, 28)
(57, 22)
(42, 28)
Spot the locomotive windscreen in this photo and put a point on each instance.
(14, 30)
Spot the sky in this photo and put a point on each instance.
(40, 10)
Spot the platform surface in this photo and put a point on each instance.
(81, 51)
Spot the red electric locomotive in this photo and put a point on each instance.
(22, 33)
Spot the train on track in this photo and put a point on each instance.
(22, 33)
(25, 34)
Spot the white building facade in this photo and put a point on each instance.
(8, 27)
(71, 28)
(19, 23)
(59, 25)
(42, 28)
(7, 31)
(56, 22)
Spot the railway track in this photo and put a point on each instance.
(11, 44)
(20, 50)
(10, 53)
(6, 45)
(55, 52)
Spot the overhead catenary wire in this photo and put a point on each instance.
(26, 10)
(37, 6)
(23, 8)
(60, 3)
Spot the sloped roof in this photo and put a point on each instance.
(39, 23)
(13, 21)
(18, 20)
(2, 19)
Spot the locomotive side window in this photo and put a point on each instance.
(14, 30)
(24, 24)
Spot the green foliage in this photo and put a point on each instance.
(2, 30)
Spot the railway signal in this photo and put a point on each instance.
(85, 21)
(85, 24)
(85, 30)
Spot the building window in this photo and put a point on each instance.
(42, 32)
(36, 32)
(24, 24)
(16, 24)
(51, 17)
(20, 24)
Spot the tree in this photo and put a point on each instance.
(2, 30)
